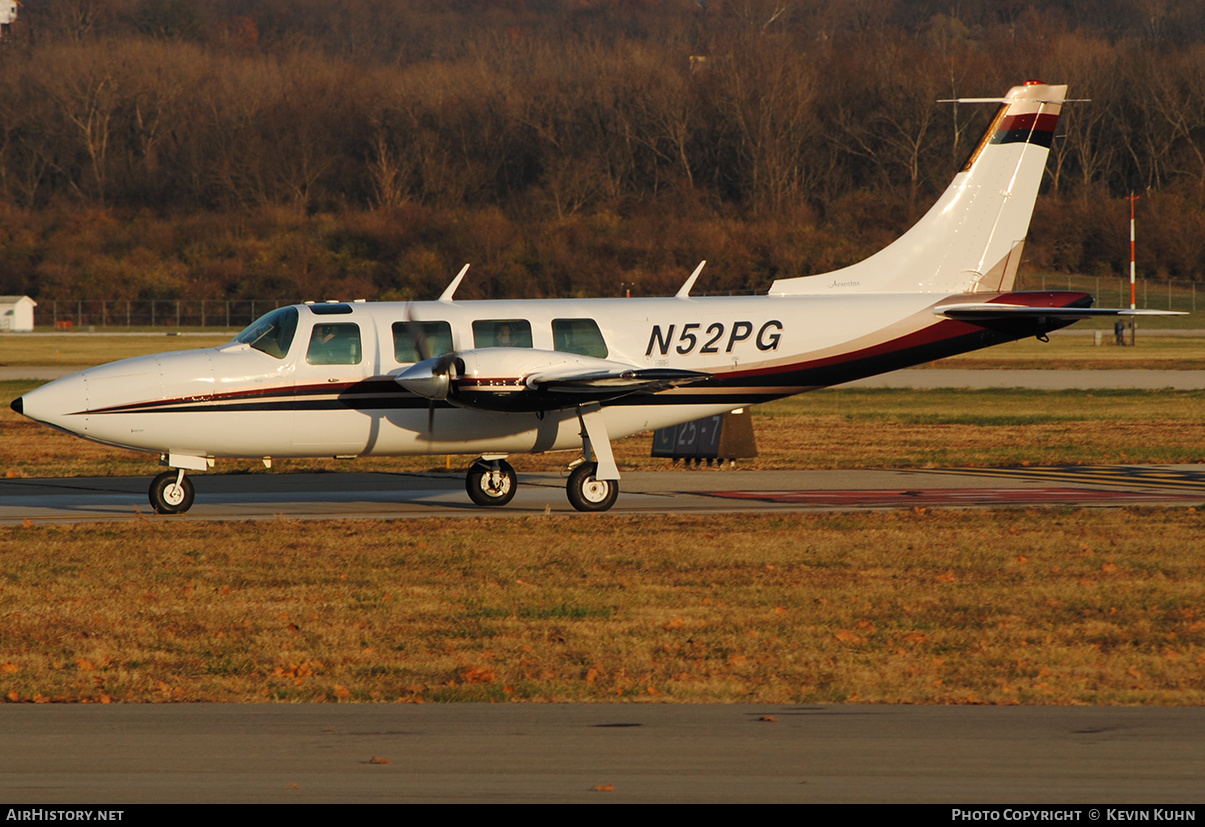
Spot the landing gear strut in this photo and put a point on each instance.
(593, 486)
(491, 482)
(171, 492)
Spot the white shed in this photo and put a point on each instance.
(16, 313)
(8, 12)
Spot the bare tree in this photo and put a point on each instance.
(84, 89)
(766, 93)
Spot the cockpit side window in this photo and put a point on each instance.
(578, 336)
(272, 333)
(334, 344)
(416, 341)
(502, 333)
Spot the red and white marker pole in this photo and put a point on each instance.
(1132, 198)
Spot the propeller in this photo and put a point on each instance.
(432, 377)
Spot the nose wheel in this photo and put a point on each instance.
(171, 492)
(491, 482)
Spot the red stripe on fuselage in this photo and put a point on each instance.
(930, 334)
(942, 330)
(357, 386)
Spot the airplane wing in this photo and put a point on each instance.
(523, 379)
(572, 379)
(987, 311)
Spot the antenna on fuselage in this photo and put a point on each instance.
(446, 295)
(684, 290)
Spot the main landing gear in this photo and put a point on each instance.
(491, 482)
(588, 493)
(172, 492)
(592, 486)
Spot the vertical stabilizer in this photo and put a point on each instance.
(971, 239)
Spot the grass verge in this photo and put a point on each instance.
(74, 349)
(1029, 606)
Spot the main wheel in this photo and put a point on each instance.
(588, 494)
(168, 496)
(489, 487)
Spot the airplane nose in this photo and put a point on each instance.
(55, 403)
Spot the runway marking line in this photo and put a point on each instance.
(1116, 475)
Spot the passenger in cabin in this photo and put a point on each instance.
(324, 334)
(502, 333)
(334, 344)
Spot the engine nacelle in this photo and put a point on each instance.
(514, 380)
(432, 378)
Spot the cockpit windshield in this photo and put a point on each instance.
(272, 333)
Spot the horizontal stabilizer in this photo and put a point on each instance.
(984, 311)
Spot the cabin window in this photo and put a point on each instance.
(415, 341)
(578, 336)
(273, 333)
(334, 344)
(330, 309)
(502, 333)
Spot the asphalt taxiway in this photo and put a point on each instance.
(603, 753)
(697, 491)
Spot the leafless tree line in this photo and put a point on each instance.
(766, 116)
(548, 109)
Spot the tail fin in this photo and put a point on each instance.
(971, 239)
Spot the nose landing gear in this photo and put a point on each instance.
(171, 492)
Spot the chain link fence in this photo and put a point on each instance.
(1114, 291)
(233, 314)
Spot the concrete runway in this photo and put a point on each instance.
(698, 491)
(602, 753)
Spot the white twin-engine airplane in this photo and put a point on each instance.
(495, 378)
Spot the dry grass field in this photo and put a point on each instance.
(1034, 606)
(78, 349)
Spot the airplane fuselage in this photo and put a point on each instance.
(240, 401)
(507, 377)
